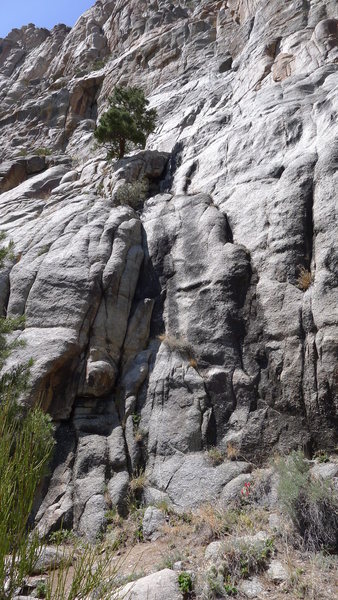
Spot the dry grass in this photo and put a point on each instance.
(304, 279)
(235, 521)
(311, 576)
(176, 531)
(232, 451)
(178, 344)
(138, 482)
(88, 569)
(193, 363)
(212, 519)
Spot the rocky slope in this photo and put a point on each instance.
(208, 317)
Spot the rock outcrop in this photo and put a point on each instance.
(208, 317)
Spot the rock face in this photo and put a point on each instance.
(208, 317)
(163, 584)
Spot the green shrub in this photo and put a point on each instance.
(216, 456)
(244, 559)
(100, 188)
(311, 503)
(241, 559)
(322, 457)
(132, 194)
(98, 64)
(138, 533)
(185, 583)
(41, 589)
(43, 151)
(6, 252)
(215, 584)
(44, 249)
(168, 560)
(62, 536)
(230, 589)
(136, 420)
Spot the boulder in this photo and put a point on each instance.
(50, 557)
(232, 491)
(214, 551)
(163, 584)
(328, 471)
(152, 523)
(277, 572)
(251, 588)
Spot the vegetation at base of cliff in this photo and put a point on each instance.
(127, 122)
(26, 443)
(310, 502)
(82, 570)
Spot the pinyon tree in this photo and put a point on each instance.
(127, 122)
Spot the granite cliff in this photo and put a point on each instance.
(208, 318)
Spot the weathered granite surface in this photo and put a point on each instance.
(160, 332)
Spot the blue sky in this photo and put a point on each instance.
(44, 13)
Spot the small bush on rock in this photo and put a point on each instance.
(42, 151)
(138, 481)
(132, 194)
(240, 559)
(98, 64)
(311, 503)
(322, 457)
(177, 344)
(232, 451)
(305, 279)
(216, 456)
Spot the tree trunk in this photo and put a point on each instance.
(122, 148)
